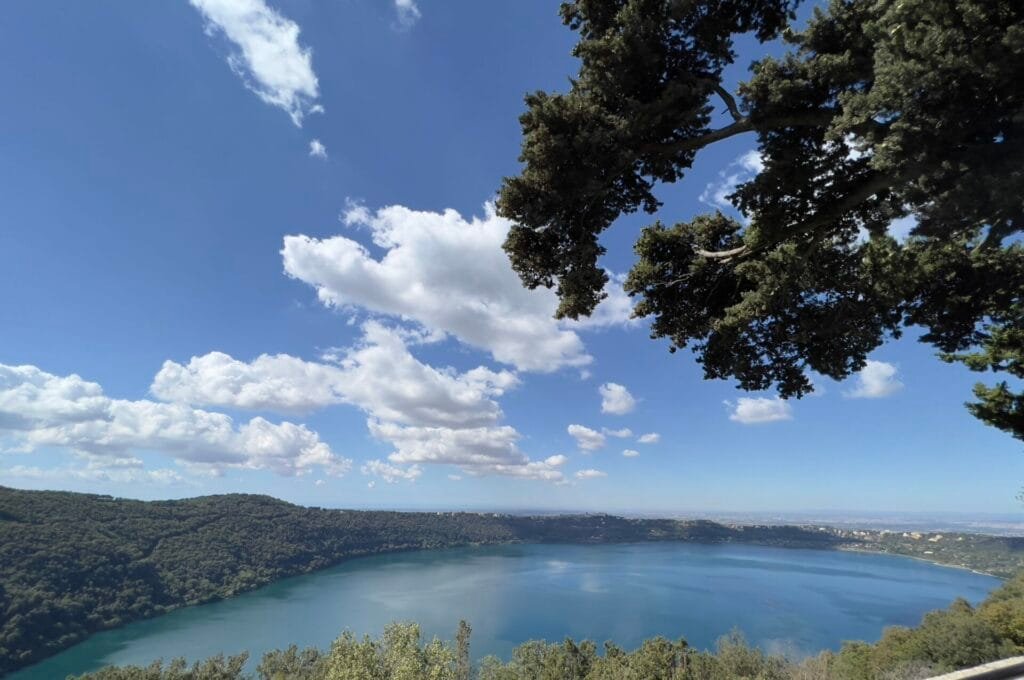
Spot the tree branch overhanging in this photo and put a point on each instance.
(742, 124)
(730, 102)
(871, 185)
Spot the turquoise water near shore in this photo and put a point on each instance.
(788, 601)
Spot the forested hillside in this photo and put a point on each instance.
(947, 640)
(72, 564)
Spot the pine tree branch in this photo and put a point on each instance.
(730, 103)
(741, 125)
(868, 187)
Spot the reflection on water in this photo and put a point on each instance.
(788, 601)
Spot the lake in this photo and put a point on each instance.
(789, 601)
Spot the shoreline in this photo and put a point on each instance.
(925, 560)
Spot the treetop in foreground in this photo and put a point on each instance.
(878, 110)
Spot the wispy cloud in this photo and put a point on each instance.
(267, 55)
(391, 473)
(408, 13)
(716, 194)
(317, 149)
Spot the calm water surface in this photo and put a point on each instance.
(792, 601)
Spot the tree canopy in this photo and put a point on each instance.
(878, 110)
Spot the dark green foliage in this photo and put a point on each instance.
(73, 564)
(881, 109)
(955, 638)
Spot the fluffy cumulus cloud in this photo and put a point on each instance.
(267, 54)
(477, 451)
(649, 438)
(408, 12)
(39, 409)
(590, 474)
(317, 149)
(757, 410)
(630, 453)
(586, 438)
(429, 415)
(616, 399)
(876, 380)
(448, 274)
(620, 434)
(379, 375)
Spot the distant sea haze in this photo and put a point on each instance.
(996, 524)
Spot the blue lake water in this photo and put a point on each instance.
(789, 601)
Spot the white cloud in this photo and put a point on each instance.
(279, 383)
(317, 149)
(370, 484)
(455, 478)
(615, 310)
(475, 447)
(269, 58)
(444, 272)
(391, 473)
(477, 451)
(630, 453)
(430, 416)
(39, 409)
(755, 410)
(743, 169)
(649, 438)
(590, 474)
(616, 399)
(378, 375)
(586, 438)
(96, 472)
(877, 379)
(319, 482)
(621, 434)
(408, 12)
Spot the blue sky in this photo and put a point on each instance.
(245, 247)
